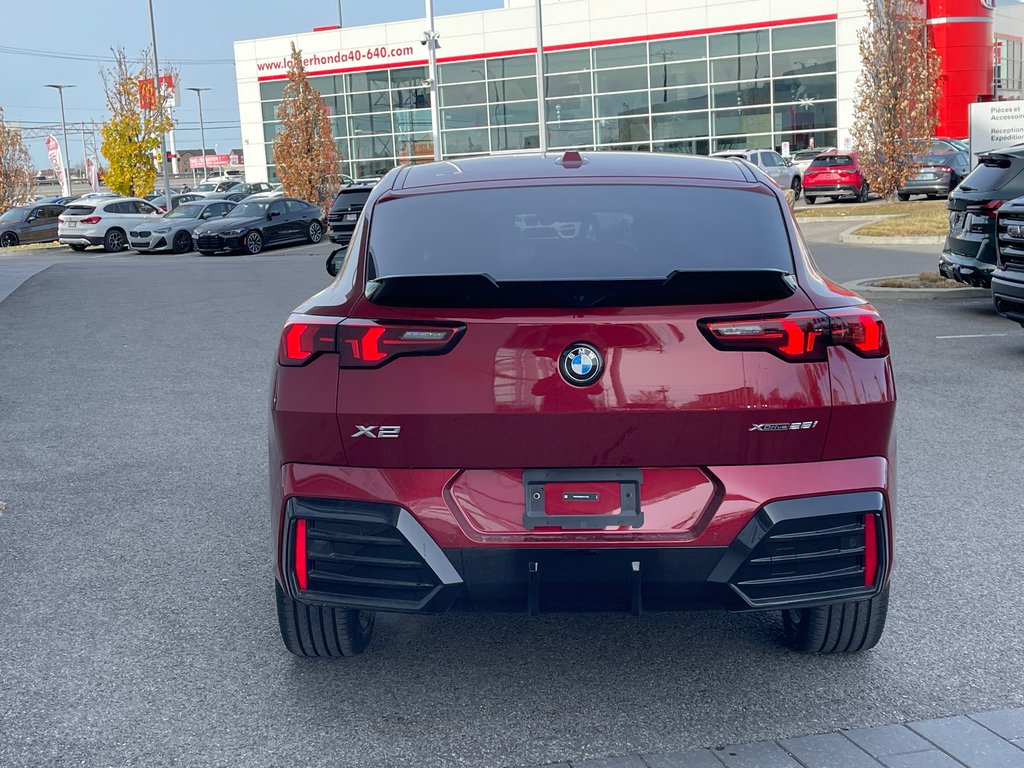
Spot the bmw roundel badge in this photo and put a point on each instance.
(581, 365)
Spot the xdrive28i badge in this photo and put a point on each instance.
(581, 365)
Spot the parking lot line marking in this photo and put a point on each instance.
(973, 336)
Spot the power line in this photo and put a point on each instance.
(103, 59)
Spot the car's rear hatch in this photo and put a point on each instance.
(72, 217)
(519, 278)
(973, 205)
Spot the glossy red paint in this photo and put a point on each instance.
(962, 33)
(670, 403)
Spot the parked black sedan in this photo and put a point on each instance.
(254, 224)
(36, 223)
(937, 175)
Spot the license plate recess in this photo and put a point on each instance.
(581, 487)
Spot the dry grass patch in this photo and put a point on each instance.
(927, 218)
(923, 280)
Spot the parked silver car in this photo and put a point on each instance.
(781, 170)
(173, 230)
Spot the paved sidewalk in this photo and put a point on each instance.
(983, 740)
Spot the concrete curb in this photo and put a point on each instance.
(864, 288)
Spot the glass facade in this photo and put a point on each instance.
(695, 94)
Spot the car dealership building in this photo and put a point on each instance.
(692, 76)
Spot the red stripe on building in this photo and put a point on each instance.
(569, 46)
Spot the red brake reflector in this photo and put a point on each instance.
(870, 550)
(300, 553)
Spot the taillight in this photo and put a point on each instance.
(803, 337)
(989, 209)
(90, 220)
(861, 331)
(371, 344)
(301, 342)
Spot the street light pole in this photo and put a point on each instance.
(542, 121)
(160, 109)
(202, 130)
(340, 23)
(430, 38)
(64, 129)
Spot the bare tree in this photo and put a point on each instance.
(304, 151)
(17, 180)
(132, 133)
(897, 93)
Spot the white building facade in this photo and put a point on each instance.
(691, 76)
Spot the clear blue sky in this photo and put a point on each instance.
(186, 30)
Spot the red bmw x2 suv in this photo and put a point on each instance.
(581, 382)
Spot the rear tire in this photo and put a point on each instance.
(902, 197)
(8, 240)
(318, 632)
(839, 628)
(810, 199)
(182, 242)
(114, 240)
(862, 196)
(797, 187)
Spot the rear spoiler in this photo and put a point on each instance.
(481, 291)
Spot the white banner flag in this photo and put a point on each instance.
(91, 174)
(57, 161)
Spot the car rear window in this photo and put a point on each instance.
(346, 200)
(992, 173)
(79, 210)
(831, 161)
(579, 232)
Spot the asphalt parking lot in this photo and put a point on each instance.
(137, 621)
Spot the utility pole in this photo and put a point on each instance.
(202, 130)
(430, 40)
(340, 22)
(542, 123)
(160, 108)
(64, 129)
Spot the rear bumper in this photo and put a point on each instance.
(937, 187)
(830, 190)
(965, 269)
(783, 553)
(76, 239)
(1008, 294)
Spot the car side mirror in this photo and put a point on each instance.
(272, 214)
(334, 261)
(225, 214)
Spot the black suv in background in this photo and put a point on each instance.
(345, 210)
(1008, 276)
(969, 254)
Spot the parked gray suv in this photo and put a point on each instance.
(781, 170)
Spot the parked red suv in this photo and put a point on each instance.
(835, 175)
(547, 383)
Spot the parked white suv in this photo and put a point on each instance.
(782, 171)
(105, 221)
